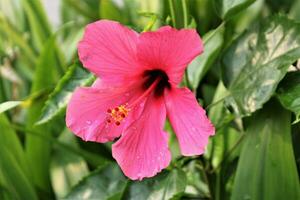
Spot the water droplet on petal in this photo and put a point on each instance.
(88, 122)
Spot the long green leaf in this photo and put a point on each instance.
(39, 25)
(256, 62)
(13, 164)
(267, 168)
(15, 176)
(37, 150)
(9, 139)
(8, 105)
(58, 99)
(17, 38)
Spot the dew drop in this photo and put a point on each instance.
(193, 129)
(88, 122)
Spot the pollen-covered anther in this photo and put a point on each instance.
(117, 114)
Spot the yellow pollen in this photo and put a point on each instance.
(117, 114)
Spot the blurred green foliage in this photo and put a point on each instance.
(247, 79)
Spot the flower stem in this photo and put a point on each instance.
(185, 14)
(172, 11)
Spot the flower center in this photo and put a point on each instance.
(153, 75)
(119, 113)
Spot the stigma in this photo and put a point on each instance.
(117, 114)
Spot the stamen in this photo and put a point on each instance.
(118, 114)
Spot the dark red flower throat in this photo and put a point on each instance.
(156, 75)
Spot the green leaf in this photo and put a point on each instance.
(39, 25)
(164, 186)
(8, 105)
(14, 12)
(289, 92)
(200, 65)
(15, 176)
(228, 8)
(10, 140)
(59, 98)
(17, 38)
(267, 168)
(109, 10)
(67, 168)
(37, 150)
(106, 183)
(197, 185)
(256, 62)
(84, 8)
(13, 164)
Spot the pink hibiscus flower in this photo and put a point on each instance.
(138, 87)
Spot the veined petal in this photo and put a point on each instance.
(108, 49)
(189, 121)
(169, 49)
(87, 114)
(143, 150)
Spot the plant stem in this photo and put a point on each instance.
(185, 14)
(229, 153)
(172, 11)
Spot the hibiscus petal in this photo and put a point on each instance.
(87, 113)
(108, 49)
(143, 150)
(169, 49)
(188, 119)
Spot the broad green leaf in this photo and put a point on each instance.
(294, 12)
(256, 62)
(67, 168)
(244, 19)
(228, 8)
(39, 25)
(105, 183)
(289, 92)
(267, 168)
(197, 186)
(164, 186)
(8, 105)
(38, 150)
(200, 65)
(58, 99)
